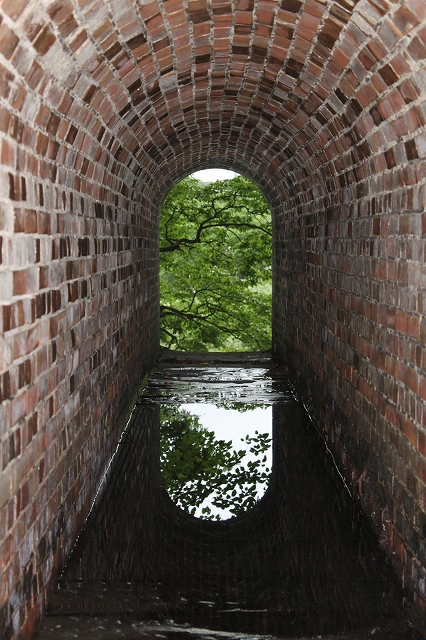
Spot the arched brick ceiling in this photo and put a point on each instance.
(104, 104)
(309, 95)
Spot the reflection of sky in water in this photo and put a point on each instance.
(230, 424)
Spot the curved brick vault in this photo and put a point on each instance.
(104, 105)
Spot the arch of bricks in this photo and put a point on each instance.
(104, 105)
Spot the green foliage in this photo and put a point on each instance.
(215, 267)
(197, 468)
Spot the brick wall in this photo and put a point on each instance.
(78, 297)
(103, 106)
(350, 250)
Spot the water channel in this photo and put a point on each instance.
(300, 561)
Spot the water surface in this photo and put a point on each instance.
(301, 562)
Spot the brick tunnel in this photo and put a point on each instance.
(104, 106)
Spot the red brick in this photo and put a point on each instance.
(422, 387)
(14, 8)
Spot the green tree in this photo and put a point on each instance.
(215, 267)
(199, 469)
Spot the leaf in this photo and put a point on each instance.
(196, 467)
(216, 283)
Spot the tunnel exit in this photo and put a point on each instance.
(216, 265)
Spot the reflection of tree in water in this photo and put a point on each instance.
(197, 468)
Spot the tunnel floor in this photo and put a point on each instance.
(302, 563)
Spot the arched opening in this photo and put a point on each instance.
(215, 265)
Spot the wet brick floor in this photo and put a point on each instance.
(301, 564)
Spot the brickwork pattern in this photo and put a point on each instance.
(104, 105)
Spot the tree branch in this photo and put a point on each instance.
(177, 243)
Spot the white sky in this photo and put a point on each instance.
(211, 175)
(230, 424)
